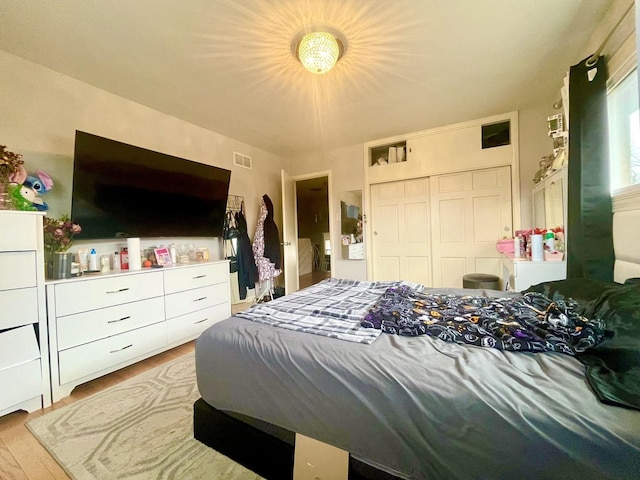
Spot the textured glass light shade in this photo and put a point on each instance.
(318, 52)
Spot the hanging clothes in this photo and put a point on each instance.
(247, 269)
(266, 267)
(271, 235)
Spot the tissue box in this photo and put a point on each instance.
(505, 245)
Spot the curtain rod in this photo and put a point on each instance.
(593, 59)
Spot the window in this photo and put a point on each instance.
(624, 132)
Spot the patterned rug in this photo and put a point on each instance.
(137, 430)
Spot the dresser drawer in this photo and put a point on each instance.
(187, 278)
(18, 307)
(192, 324)
(18, 231)
(17, 270)
(91, 294)
(196, 299)
(89, 326)
(20, 383)
(18, 346)
(20, 376)
(84, 360)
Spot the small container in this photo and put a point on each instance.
(62, 265)
(549, 241)
(93, 260)
(518, 246)
(83, 260)
(116, 261)
(173, 254)
(124, 258)
(105, 261)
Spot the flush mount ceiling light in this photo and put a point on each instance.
(318, 50)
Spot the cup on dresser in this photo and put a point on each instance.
(62, 265)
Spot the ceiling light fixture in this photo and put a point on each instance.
(318, 50)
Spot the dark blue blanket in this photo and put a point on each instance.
(532, 322)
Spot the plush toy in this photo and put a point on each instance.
(22, 197)
(26, 189)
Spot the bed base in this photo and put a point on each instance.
(266, 449)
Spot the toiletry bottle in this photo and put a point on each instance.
(116, 261)
(550, 241)
(124, 258)
(93, 260)
(173, 253)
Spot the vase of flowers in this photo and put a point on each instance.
(58, 238)
(10, 163)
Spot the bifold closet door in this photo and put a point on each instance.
(470, 211)
(401, 231)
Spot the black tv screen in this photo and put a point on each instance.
(121, 190)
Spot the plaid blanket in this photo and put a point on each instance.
(333, 308)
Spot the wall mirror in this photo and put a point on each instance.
(351, 225)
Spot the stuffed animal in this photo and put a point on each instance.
(26, 189)
(22, 197)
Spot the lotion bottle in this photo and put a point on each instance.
(93, 260)
(116, 261)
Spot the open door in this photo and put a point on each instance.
(289, 234)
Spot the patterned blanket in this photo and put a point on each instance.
(333, 308)
(532, 322)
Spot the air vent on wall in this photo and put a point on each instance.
(241, 160)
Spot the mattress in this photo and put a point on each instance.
(418, 407)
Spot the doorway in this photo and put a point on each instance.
(314, 239)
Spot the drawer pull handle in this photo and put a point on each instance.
(200, 321)
(121, 349)
(199, 276)
(201, 298)
(118, 291)
(119, 320)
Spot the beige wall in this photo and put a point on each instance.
(347, 168)
(534, 144)
(42, 109)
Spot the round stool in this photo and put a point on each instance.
(481, 280)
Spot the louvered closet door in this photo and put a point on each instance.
(401, 231)
(470, 211)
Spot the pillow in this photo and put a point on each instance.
(585, 291)
(613, 366)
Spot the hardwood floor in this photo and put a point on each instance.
(21, 455)
(312, 278)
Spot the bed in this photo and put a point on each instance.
(421, 408)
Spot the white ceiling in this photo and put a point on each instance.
(227, 66)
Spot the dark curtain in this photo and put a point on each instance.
(589, 229)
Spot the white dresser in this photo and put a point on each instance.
(24, 369)
(101, 323)
(518, 275)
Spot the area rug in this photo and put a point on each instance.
(139, 429)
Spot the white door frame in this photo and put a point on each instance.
(308, 176)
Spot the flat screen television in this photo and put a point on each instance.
(121, 191)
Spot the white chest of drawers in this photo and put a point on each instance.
(24, 368)
(99, 324)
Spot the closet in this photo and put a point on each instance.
(437, 215)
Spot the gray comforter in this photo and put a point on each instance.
(419, 407)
